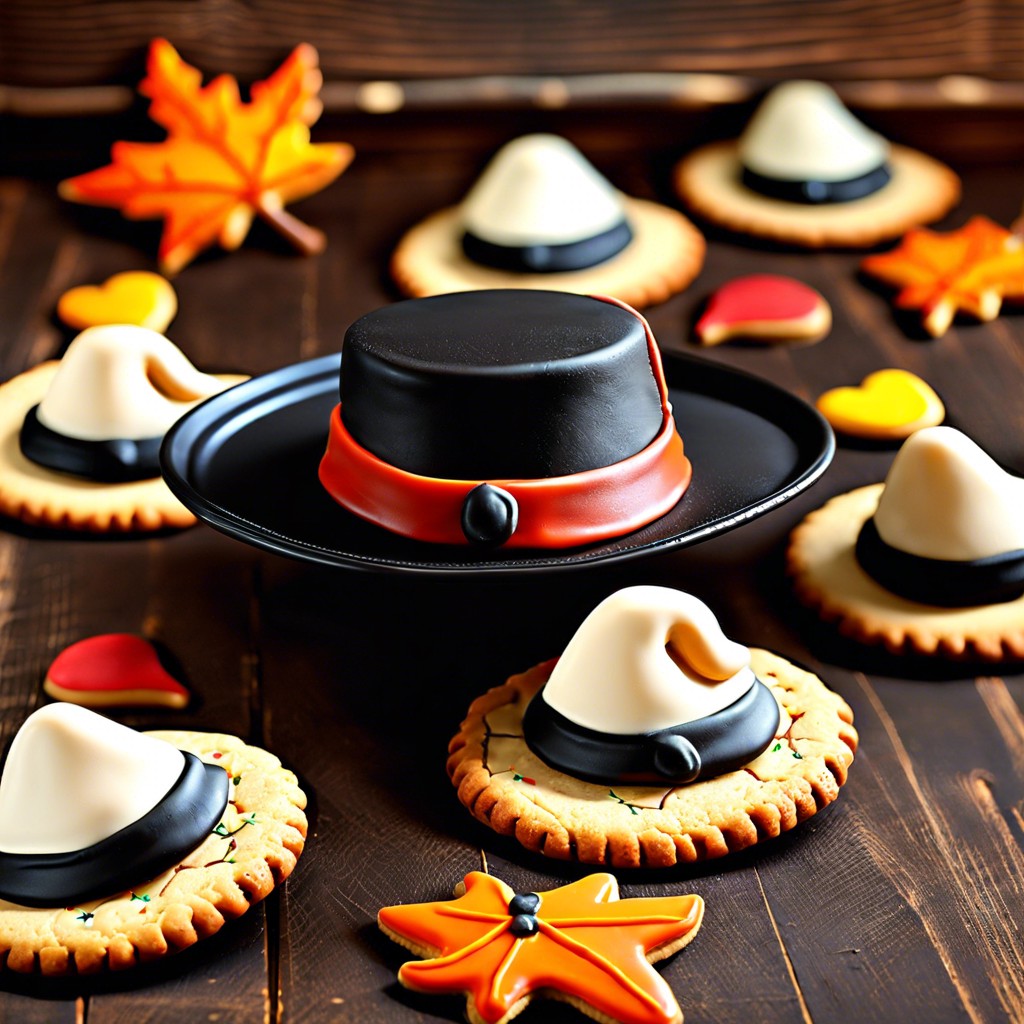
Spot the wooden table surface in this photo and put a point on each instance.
(901, 902)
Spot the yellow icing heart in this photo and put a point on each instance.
(888, 404)
(133, 297)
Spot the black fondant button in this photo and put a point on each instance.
(490, 515)
(523, 925)
(524, 903)
(676, 758)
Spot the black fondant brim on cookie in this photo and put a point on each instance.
(116, 461)
(816, 193)
(549, 259)
(157, 841)
(700, 749)
(938, 581)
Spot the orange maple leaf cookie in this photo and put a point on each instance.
(224, 161)
(971, 269)
(579, 943)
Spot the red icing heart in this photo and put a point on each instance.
(113, 669)
(764, 306)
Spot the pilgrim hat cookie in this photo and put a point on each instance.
(80, 437)
(931, 561)
(807, 172)
(653, 740)
(541, 216)
(579, 943)
(529, 419)
(118, 847)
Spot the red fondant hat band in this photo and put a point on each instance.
(550, 512)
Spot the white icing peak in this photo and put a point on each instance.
(122, 382)
(540, 190)
(802, 132)
(73, 777)
(647, 658)
(946, 498)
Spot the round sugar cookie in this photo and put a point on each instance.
(43, 497)
(253, 848)
(504, 785)
(666, 254)
(828, 578)
(920, 190)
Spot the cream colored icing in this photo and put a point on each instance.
(120, 381)
(540, 190)
(802, 132)
(946, 498)
(617, 674)
(73, 777)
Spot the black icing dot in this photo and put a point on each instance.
(675, 757)
(523, 925)
(524, 903)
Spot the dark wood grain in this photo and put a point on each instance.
(51, 43)
(900, 901)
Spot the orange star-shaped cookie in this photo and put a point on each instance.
(579, 943)
(971, 269)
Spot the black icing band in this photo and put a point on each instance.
(701, 749)
(816, 193)
(111, 462)
(142, 850)
(549, 259)
(940, 581)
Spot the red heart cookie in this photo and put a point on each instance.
(113, 669)
(764, 307)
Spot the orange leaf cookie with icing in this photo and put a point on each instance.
(133, 297)
(224, 161)
(113, 669)
(764, 307)
(969, 270)
(888, 405)
(579, 943)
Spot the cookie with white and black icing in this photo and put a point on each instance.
(931, 561)
(541, 216)
(653, 740)
(80, 438)
(807, 172)
(521, 418)
(116, 845)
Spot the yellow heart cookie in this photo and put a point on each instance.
(133, 297)
(888, 405)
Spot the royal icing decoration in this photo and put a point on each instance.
(764, 307)
(579, 942)
(224, 161)
(113, 669)
(134, 297)
(972, 269)
(887, 405)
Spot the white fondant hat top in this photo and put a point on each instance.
(119, 381)
(802, 132)
(647, 658)
(946, 498)
(73, 778)
(540, 190)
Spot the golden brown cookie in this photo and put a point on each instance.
(252, 849)
(666, 254)
(508, 788)
(920, 191)
(42, 497)
(827, 576)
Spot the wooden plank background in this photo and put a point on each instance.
(903, 901)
